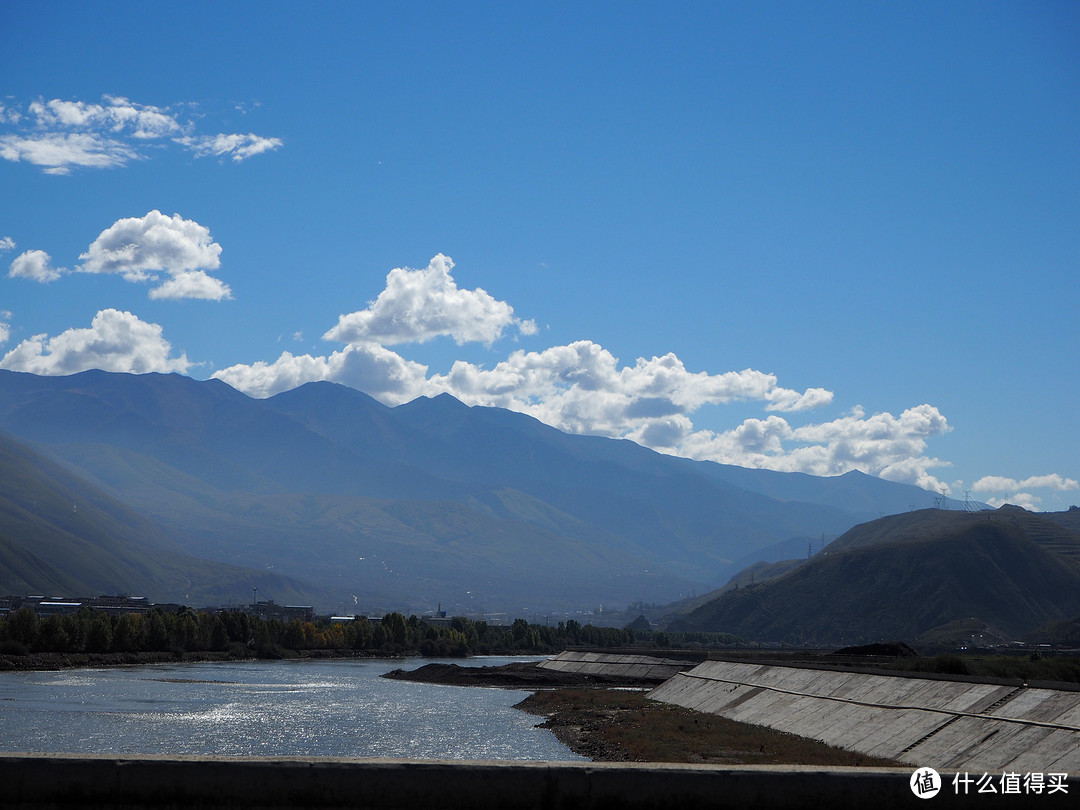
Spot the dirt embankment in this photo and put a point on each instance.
(609, 719)
(523, 675)
(618, 725)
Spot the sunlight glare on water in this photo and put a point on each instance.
(337, 708)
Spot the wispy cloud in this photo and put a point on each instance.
(238, 147)
(60, 135)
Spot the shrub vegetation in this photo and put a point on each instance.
(242, 634)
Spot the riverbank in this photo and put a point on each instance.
(39, 661)
(608, 718)
(523, 675)
(618, 725)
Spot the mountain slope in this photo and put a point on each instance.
(428, 502)
(905, 575)
(651, 500)
(60, 534)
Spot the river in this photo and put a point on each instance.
(321, 708)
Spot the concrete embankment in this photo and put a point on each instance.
(636, 667)
(66, 781)
(943, 724)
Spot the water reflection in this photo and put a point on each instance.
(273, 708)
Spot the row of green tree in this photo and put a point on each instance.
(187, 630)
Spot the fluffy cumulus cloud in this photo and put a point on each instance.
(172, 252)
(882, 444)
(35, 265)
(115, 341)
(369, 367)
(60, 135)
(999, 490)
(5, 326)
(583, 388)
(418, 305)
(580, 387)
(6, 244)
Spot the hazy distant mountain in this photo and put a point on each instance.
(62, 536)
(428, 502)
(913, 575)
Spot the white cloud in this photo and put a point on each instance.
(61, 135)
(116, 115)
(192, 284)
(882, 444)
(582, 388)
(240, 147)
(997, 483)
(144, 248)
(368, 367)
(418, 305)
(1025, 499)
(1012, 490)
(59, 152)
(35, 265)
(115, 341)
(5, 326)
(6, 244)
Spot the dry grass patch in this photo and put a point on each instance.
(617, 725)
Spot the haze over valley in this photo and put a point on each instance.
(534, 310)
(324, 494)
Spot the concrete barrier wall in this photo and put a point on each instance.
(970, 726)
(646, 667)
(65, 781)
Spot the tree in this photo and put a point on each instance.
(99, 635)
(395, 627)
(22, 626)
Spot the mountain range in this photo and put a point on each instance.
(191, 490)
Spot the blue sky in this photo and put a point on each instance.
(812, 237)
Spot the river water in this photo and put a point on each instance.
(335, 708)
